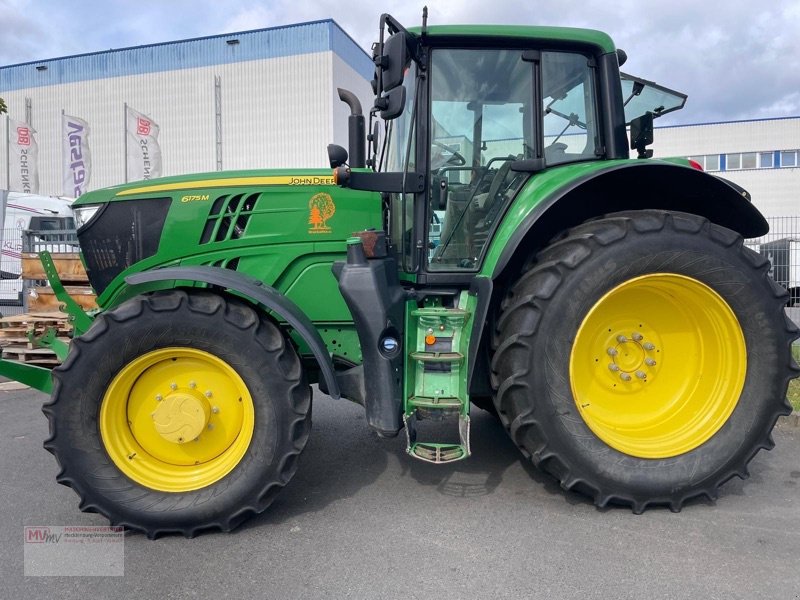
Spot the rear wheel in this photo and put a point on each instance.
(179, 412)
(643, 358)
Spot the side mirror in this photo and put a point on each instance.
(337, 155)
(394, 59)
(642, 134)
(393, 103)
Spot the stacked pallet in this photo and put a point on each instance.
(44, 309)
(40, 298)
(15, 341)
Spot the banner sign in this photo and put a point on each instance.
(23, 156)
(143, 153)
(76, 156)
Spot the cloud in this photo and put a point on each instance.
(735, 59)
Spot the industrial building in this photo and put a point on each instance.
(255, 99)
(762, 156)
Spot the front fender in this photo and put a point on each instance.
(258, 293)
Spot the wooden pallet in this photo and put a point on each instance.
(14, 336)
(42, 299)
(68, 266)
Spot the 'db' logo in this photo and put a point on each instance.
(320, 209)
(23, 136)
(142, 126)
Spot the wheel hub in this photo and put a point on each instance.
(181, 417)
(632, 356)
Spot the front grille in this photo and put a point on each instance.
(228, 218)
(121, 235)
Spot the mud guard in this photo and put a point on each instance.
(259, 293)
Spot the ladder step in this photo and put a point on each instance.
(438, 453)
(433, 452)
(438, 357)
(439, 311)
(435, 402)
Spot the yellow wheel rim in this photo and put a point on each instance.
(658, 365)
(177, 419)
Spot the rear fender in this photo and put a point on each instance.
(626, 185)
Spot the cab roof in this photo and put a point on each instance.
(542, 35)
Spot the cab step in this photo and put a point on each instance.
(436, 385)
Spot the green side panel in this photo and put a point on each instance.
(285, 228)
(538, 189)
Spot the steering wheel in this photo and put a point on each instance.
(456, 154)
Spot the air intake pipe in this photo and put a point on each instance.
(355, 130)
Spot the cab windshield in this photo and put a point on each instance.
(483, 118)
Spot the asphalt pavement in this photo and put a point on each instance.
(361, 519)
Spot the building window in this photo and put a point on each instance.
(789, 158)
(749, 160)
(765, 160)
(709, 162)
(734, 161)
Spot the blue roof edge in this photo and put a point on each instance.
(727, 122)
(271, 42)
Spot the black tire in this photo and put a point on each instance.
(541, 315)
(233, 332)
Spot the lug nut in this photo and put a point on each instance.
(650, 362)
(159, 397)
(641, 374)
(625, 377)
(173, 386)
(612, 351)
(210, 426)
(637, 337)
(622, 339)
(613, 367)
(648, 346)
(208, 393)
(215, 410)
(192, 384)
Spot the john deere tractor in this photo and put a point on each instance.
(493, 245)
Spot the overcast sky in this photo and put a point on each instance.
(737, 59)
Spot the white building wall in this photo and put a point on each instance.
(276, 113)
(715, 138)
(344, 76)
(775, 191)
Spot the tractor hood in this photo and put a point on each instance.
(240, 220)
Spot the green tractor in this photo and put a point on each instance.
(494, 244)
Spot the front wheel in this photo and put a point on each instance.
(179, 412)
(644, 358)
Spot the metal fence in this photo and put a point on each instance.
(16, 242)
(782, 246)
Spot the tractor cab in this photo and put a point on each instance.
(470, 116)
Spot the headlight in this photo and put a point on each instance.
(84, 214)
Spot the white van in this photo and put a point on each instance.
(32, 212)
